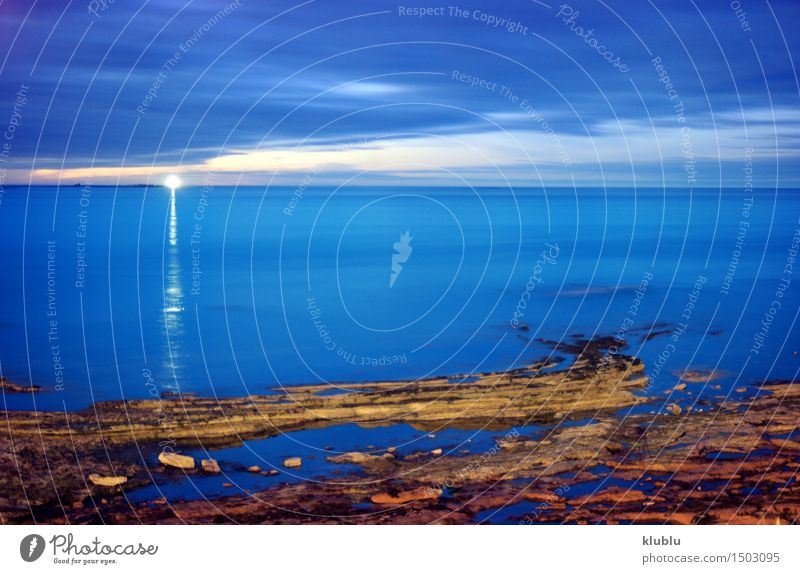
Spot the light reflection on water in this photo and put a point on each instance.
(172, 312)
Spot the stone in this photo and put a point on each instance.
(700, 376)
(254, 468)
(293, 462)
(405, 496)
(674, 409)
(436, 452)
(680, 387)
(176, 460)
(210, 465)
(100, 480)
(358, 458)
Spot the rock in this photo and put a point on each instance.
(674, 409)
(177, 395)
(680, 386)
(612, 495)
(9, 387)
(468, 405)
(358, 458)
(293, 462)
(100, 480)
(391, 449)
(699, 376)
(421, 493)
(176, 460)
(546, 497)
(227, 484)
(210, 465)
(254, 468)
(436, 452)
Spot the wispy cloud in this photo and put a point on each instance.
(624, 142)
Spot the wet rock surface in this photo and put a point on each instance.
(733, 461)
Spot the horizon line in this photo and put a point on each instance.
(368, 186)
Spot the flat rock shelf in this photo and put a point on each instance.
(597, 460)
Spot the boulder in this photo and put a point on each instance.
(293, 462)
(100, 480)
(210, 465)
(176, 460)
(254, 468)
(436, 452)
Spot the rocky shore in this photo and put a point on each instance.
(716, 460)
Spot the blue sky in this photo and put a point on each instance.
(371, 92)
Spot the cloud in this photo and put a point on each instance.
(527, 143)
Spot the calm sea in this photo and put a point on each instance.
(110, 293)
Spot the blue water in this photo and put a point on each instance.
(314, 446)
(138, 322)
(130, 292)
